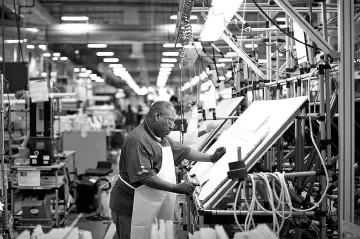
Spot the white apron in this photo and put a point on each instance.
(150, 203)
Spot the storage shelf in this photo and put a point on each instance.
(39, 168)
(38, 187)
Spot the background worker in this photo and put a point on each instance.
(146, 188)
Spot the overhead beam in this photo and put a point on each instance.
(243, 56)
(309, 30)
(107, 3)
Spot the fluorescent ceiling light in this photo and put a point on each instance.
(111, 59)
(63, 58)
(88, 71)
(251, 45)
(83, 69)
(225, 60)
(55, 58)
(231, 54)
(220, 65)
(219, 15)
(57, 54)
(192, 17)
(30, 46)
(32, 29)
(281, 19)
(15, 41)
(43, 74)
(99, 80)
(262, 61)
(166, 65)
(115, 65)
(96, 45)
(46, 54)
(74, 18)
(168, 60)
(165, 69)
(43, 47)
(175, 53)
(104, 53)
(76, 70)
(171, 45)
(93, 76)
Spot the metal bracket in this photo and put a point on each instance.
(243, 55)
(309, 30)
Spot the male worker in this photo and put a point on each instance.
(146, 188)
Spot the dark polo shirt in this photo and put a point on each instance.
(140, 158)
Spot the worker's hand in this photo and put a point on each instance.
(218, 154)
(209, 127)
(185, 188)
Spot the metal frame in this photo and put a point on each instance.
(345, 54)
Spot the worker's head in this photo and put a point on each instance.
(174, 100)
(161, 118)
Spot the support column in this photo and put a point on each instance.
(346, 112)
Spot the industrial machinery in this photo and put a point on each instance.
(290, 160)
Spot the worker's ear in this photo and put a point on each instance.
(157, 117)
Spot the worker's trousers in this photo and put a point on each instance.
(123, 225)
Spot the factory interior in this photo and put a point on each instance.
(265, 93)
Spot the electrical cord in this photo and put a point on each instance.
(204, 68)
(283, 31)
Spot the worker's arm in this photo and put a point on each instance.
(157, 183)
(201, 157)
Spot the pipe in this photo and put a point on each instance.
(265, 7)
(254, 213)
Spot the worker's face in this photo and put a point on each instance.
(165, 123)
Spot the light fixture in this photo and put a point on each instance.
(262, 61)
(76, 52)
(32, 29)
(165, 69)
(99, 80)
(249, 45)
(57, 54)
(111, 59)
(280, 19)
(15, 41)
(225, 60)
(42, 47)
(30, 46)
(231, 54)
(166, 65)
(63, 58)
(83, 69)
(74, 18)
(168, 60)
(220, 65)
(219, 16)
(93, 76)
(100, 45)
(115, 65)
(105, 53)
(55, 58)
(171, 45)
(192, 17)
(44, 74)
(194, 80)
(76, 70)
(170, 53)
(88, 72)
(46, 54)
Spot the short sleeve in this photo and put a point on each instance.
(180, 151)
(139, 164)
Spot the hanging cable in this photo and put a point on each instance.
(282, 30)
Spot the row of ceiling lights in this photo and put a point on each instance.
(168, 62)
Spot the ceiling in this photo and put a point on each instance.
(122, 25)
